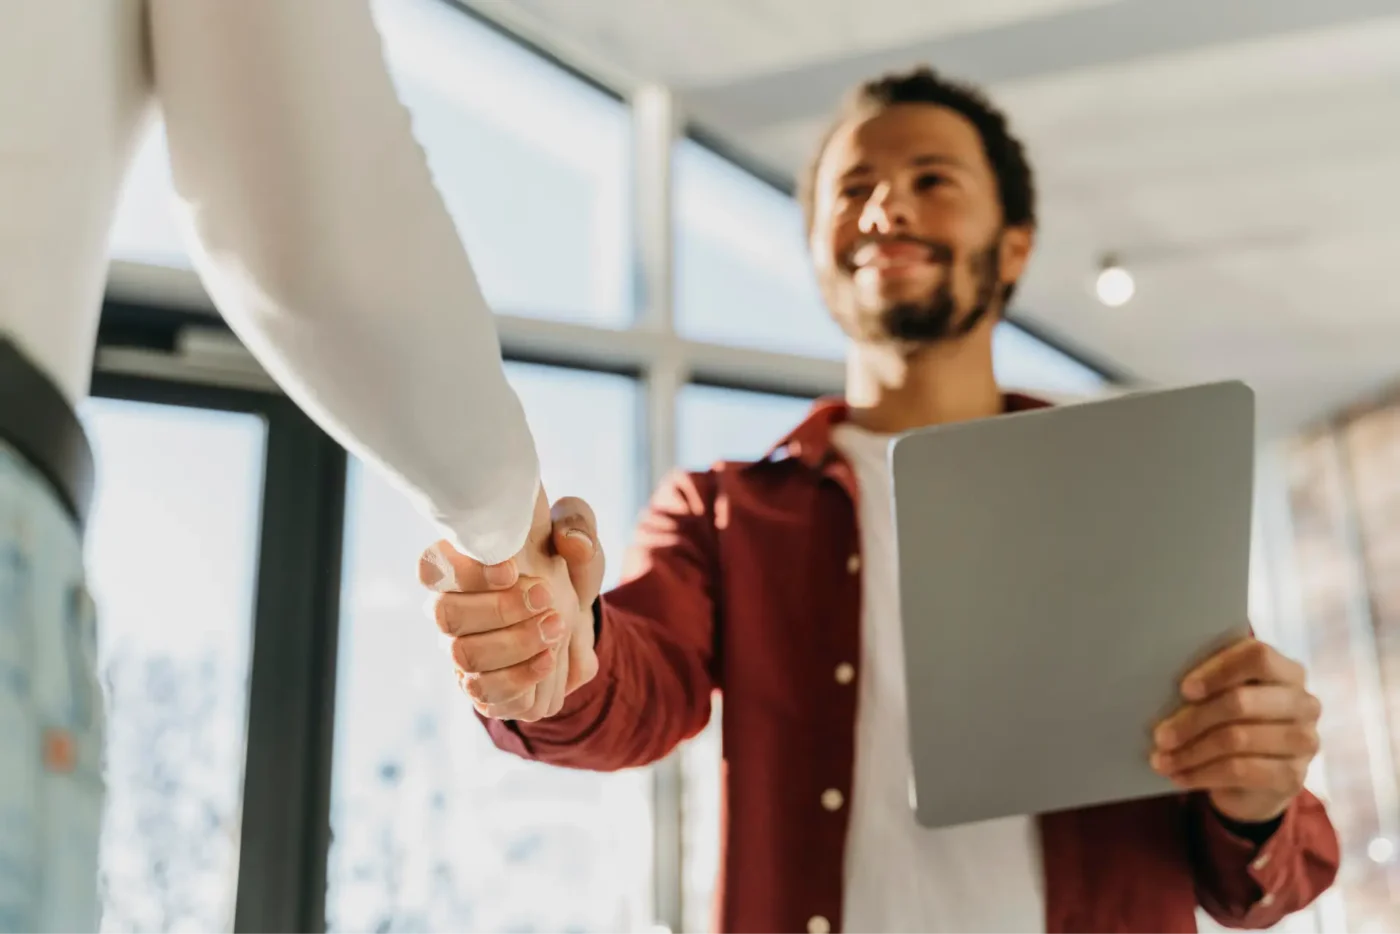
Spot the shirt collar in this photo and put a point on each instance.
(810, 442)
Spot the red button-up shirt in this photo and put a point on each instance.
(742, 581)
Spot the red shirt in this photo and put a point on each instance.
(745, 579)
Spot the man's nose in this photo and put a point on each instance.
(885, 213)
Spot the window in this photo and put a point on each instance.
(435, 829)
(144, 229)
(714, 423)
(742, 274)
(1022, 362)
(533, 164)
(172, 549)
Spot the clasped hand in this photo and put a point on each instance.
(1246, 734)
(521, 633)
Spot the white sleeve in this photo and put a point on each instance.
(325, 245)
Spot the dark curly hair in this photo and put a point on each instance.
(1015, 183)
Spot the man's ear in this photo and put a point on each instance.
(1016, 245)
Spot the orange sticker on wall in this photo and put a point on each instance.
(60, 751)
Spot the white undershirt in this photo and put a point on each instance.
(900, 876)
(313, 222)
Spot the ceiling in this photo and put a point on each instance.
(1241, 156)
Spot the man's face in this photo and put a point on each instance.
(907, 235)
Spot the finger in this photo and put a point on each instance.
(445, 569)
(1248, 660)
(1269, 740)
(503, 711)
(492, 651)
(576, 539)
(461, 614)
(1284, 776)
(1252, 703)
(583, 661)
(508, 684)
(554, 701)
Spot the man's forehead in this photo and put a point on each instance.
(902, 134)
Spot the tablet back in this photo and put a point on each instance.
(1060, 570)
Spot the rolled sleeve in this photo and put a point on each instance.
(1248, 885)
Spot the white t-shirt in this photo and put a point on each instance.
(900, 876)
(313, 222)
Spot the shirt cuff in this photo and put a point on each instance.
(1250, 874)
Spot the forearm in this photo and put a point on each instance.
(324, 243)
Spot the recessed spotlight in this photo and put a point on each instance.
(1114, 285)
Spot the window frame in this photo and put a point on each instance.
(284, 831)
(160, 341)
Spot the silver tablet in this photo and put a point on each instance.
(1060, 570)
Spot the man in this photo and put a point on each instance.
(775, 582)
(319, 234)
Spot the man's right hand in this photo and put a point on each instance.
(522, 631)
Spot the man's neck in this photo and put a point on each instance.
(892, 389)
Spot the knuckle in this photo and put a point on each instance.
(1236, 738)
(467, 654)
(1238, 704)
(1236, 770)
(436, 610)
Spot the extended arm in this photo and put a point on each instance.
(322, 240)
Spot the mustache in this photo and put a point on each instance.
(938, 252)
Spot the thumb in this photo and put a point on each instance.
(576, 540)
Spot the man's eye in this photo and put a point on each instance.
(929, 180)
(855, 191)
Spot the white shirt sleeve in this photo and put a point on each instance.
(322, 240)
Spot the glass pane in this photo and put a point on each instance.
(742, 273)
(1023, 362)
(714, 424)
(532, 162)
(434, 828)
(172, 553)
(144, 229)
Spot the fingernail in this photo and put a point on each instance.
(498, 575)
(552, 628)
(537, 598)
(447, 578)
(1166, 736)
(581, 536)
(1192, 689)
(544, 664)
(1159, 763)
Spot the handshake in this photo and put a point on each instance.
(521, 632)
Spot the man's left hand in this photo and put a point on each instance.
(1246, 735)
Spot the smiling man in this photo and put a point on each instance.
(775, 583)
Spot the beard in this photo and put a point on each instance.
(937, 316)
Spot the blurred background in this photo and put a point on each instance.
(288, 748)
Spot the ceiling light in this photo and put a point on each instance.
(1114, 286)
(1381, 850)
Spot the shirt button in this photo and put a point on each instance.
(1267, 900)
(818, 925)
(1261, 862)
(845, 673)
(853, 564)
(832, 799)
